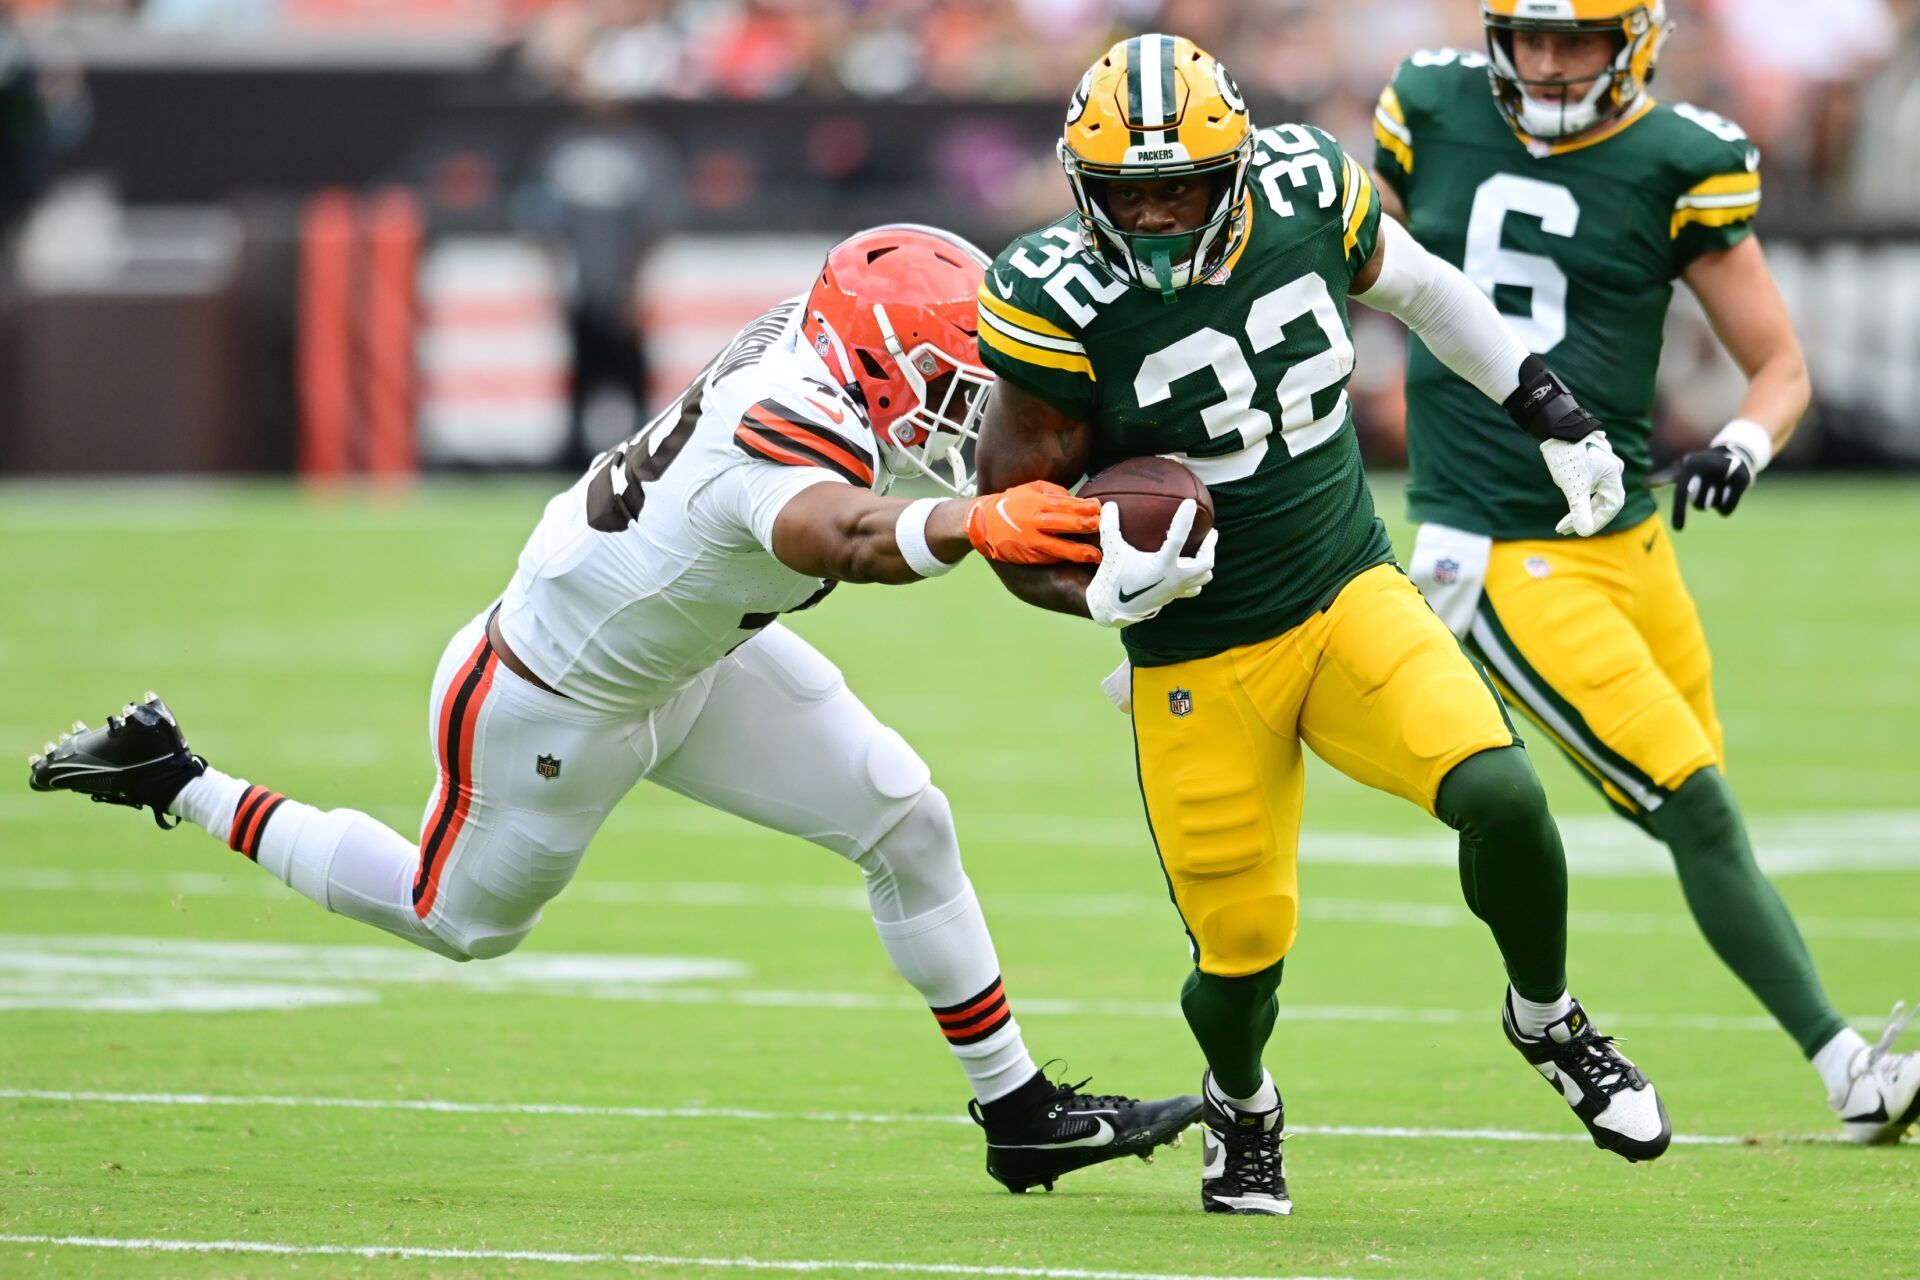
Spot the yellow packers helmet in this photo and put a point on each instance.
(1640, 27)
(1152, 107)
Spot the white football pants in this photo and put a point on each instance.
(526, 777)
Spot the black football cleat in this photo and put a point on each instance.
(1612, 1097)
(1240, 1167)
(1071, 1130)
(140, 758)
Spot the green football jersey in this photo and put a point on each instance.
(1241, 377)
(1578, 244)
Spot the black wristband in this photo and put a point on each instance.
(1543, 407)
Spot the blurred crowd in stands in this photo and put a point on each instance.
(625, 156)
(1796, 73)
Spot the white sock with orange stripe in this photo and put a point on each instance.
(947, 954)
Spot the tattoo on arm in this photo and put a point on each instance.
(1024, 438)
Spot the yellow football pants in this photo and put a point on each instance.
(1374, 683)
(1597, 641)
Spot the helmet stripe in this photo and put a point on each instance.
(1169, 92)
(1153, 107)
(1133, 81)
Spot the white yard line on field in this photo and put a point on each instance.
(735, 895)
(415, 1252)
(141, 975)
(731, 1113)
(1785, 844)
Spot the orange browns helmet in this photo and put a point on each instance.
(1640, 26)
(894, 317)
(1159, 106)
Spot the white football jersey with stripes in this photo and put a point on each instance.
(659, 560)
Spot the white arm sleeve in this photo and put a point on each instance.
(1457, 322)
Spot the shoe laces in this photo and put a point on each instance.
(1064, 1094)
(1601, 1065)
(1253, 1154)
(1881, 1059)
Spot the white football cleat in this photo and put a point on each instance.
(1883, 1097)
(1612, 1097)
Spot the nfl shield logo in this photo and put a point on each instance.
(547, 766)
(1180, 702)
(1446, 571)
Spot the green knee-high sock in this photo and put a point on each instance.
(1740, 913)
(1512, 869)
(1232, 1018)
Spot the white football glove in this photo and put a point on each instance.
(1132, 585)
(1588, 472)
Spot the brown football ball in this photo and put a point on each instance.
(1148, 491)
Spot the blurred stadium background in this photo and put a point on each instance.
(336, 236)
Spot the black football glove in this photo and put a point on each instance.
(1713, 478)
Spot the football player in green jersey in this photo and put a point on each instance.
(1574, 200)
(1195, 306)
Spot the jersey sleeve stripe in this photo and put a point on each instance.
(1028, 336)
(1720, 201)
(1725, 184)
(1712, 217)
(754, 445)
(1027, 354)
(1024, 319)
(1396, 115)
(1401, 149)
(1390, 128)
(1362, 206)
(770, 419)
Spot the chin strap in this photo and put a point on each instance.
(1162, 262)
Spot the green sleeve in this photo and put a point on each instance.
(1026, 338)
(1718, 186)
(1393, 134)
(1360, 213)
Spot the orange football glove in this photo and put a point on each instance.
(1024, 524)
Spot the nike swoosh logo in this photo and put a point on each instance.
(1648, 545)
(1130, 597)
(1100, 1137)
(832, 411)
(1001, 286)
(1001, 507)
(1214, 1155)
(1876, 1116)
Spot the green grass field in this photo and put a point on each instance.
(189, 1052)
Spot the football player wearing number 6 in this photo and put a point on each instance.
(640, 639)
(1575, 200)
(1195, 305)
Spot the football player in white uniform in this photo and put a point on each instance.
(640, 638)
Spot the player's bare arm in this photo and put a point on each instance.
(1739, 295)
(846, 534)
(1024, 439)
(1744, 305)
